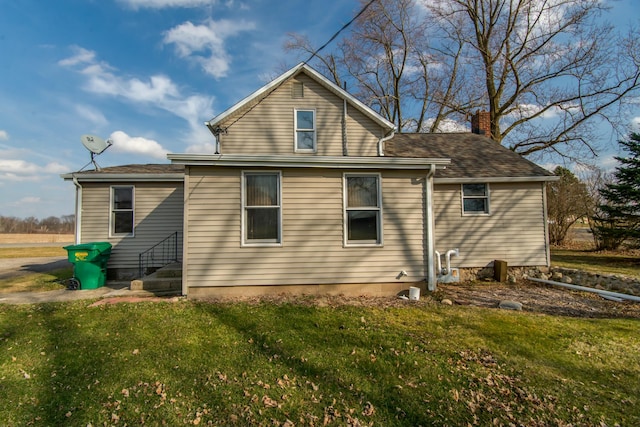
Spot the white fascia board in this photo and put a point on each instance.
(318, 77)
(498, 180)
(331, 162)
(367, 111)
(124, 177)
(264, 89)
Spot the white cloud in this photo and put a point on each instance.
(17, 166)
(4, 135)
(447, 126)
(635, 121)
(205, 44)
(203, 148)
(158, 91)
(124, 143)
(160, 4)
(81, 56)
(28, 200)
(21, 170)
(55, 168)
(91, 115)
(608, 163)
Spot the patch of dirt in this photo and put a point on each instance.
(534, 297)
(538, 298)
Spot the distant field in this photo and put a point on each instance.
(35, 238)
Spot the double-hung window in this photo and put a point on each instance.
(475, 199)
(262, 208)
(305, 131)
(362, 209)
(122, 211)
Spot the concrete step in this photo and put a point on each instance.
(171, 270)
(167, 279)
(156, 284)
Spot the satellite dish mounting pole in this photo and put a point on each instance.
(95, 145)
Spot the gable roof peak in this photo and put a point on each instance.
(262, 93)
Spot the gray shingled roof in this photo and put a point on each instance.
(472, 155)
(139, 169)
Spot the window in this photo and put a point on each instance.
(122, 218)
(261, 205)
(363, 211)
(475, 199)
(305, 127)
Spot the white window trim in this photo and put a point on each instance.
(112, 232)
(243, 236)
(487, 196)
(295, 132)
(345, 220)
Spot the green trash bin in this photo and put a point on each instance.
(89, 263)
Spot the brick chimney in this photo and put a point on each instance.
(481, 123)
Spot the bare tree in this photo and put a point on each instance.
(551, 59)
(395, 70)
(548, 71)
(52, 224)
(567, 201)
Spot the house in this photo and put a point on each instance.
(311, 191)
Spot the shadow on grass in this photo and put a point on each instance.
(36, 282)
(333, 349)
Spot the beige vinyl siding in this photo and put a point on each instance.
(514, 231)
(268, 128)
(312, 249)
(158, 212)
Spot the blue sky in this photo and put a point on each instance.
(145, 73)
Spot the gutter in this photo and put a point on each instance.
(78, 233)
(337, 162)
(495, 179)
(125, 177)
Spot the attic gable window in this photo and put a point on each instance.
(475, 199)
(305, 131)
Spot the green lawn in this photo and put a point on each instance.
(35, 282)
(38, 251)
(625, 263)
(269, 364)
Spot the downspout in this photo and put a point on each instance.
(545, 220)
(430, 226)
(382, 140)
(345, 146)
(78, 210)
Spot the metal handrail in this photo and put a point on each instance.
(159, 255)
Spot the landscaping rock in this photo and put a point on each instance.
(446, 302)
(510, 305)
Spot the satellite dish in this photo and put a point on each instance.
(95, 145)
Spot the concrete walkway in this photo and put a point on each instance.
(112, 290)
(15, 267)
